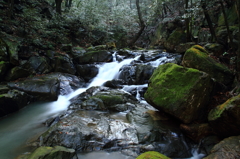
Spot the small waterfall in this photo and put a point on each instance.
(107, 71)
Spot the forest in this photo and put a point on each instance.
(130, 79)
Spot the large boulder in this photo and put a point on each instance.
(93, 56)
(40, 64)
(12, 100)
(225, 119)
(176, 37)
(197, 57)
(87, 71)
(228, 148)
(63, 63)
(179, 91)
(56, 152)
(48, 87)
(152, 155)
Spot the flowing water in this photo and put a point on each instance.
(17, 128)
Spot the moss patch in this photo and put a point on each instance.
(179, 91)
(110, 100)
(217, 112)
(198, 58)
(152, 155)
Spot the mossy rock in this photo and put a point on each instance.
(226, 149)
(179, 91)
(13, 51)
(198, 58)
(225, 119)
(176, 37)
(152, 155)
(57, 152)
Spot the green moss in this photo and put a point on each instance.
(152, 155)
(56, 152)
(197, 57)
(176, 37)
(110, 100)
(170, 80)
(217, 112)
(2, 62)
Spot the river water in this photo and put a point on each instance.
(21, 127)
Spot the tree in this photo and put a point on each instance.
(207, 16)
(58, 6)
(226, 23)
(141, 23)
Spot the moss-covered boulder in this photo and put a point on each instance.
(57, 152)
(215, 48)
(94, 56)
(152, 155)
(63, 63)
(176, 37)
(179, 91)
(226, 149)
(225, 118)
(197, 57)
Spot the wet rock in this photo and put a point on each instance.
(157, 132)
(143, 74)
(180, 91)
(152, 154)
(115, 83)
(151, 55)
(197, 57)
(228, 148)
(90, 130)
(48, 87)
(87, 71)
(224, 119)
(12, 101)
(128, 74)
(94, 56)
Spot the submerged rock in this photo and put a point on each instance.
(197, 57)
(225, 119)
(179, 91)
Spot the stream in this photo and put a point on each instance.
(22, 127)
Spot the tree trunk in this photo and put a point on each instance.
(204, 7)
(142, 25)
(58, 6)
(188, 36)
(226, 23)
(10, 8)
(238, 51)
